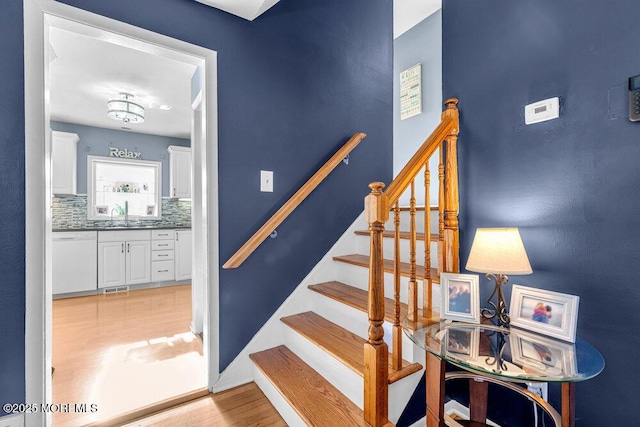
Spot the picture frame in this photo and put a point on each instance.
(102, 210)
(151, 210)
(545, 312)
(538, 354)
(460, 297)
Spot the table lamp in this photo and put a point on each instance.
(498, 252)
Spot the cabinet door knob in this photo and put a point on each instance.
(122, 248)
(128, 247)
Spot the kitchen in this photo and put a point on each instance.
(125, 332)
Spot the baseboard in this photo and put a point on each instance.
(149, 410)
(453, 407)
(14, 420)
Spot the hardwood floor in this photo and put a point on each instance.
(243, 406)
(123, 351)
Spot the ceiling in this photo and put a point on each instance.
(86, 72)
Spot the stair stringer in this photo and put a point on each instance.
(241, 369)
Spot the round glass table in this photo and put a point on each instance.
(502, 356)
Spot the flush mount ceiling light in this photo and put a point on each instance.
(125, 110)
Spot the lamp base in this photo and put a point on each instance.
(499, 308)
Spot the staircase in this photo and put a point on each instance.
(317, 376)
(334, 367)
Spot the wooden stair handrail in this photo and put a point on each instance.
(416, 163)
(263, 232)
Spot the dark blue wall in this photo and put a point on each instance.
(96, 142)
(293, 86)
(12, 230)
(570, 184)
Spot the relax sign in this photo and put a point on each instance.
(116, 152)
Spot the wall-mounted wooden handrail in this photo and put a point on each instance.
(254, 241)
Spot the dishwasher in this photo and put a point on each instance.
(74, 261)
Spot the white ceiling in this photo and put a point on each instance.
(408, 13)
(247, 9)
(86, 72)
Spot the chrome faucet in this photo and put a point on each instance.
(126, 213)
(114, 209)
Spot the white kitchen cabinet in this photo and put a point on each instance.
(162, 255)
(111, 264)
(64, 162)
(124, 258)
(183, 254)
(138, 262)
(179, 172)
(74, 261)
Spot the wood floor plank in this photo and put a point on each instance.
(359, 299)
(363, 261)
(124, 352)
(345, 346)
(315, 400)
(244, 406)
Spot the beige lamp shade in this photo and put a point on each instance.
(498, 250)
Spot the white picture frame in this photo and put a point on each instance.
(460, 297)
(545, 312)
(535, 353)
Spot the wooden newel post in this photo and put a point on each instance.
(376, 353)
(451, 227)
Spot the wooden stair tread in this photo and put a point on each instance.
(363, 261)
(359, 299)
(403, 235)
(339, 342)
(316, 401)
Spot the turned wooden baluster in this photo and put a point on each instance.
(376, 353)
(427, 283)
(441, 204)
(397, 328)
(451, 232)
(413, 283)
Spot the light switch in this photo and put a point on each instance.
(266, 181)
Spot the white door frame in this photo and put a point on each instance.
(39, 16)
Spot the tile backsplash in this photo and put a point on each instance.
(71, 212)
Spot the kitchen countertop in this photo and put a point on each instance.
(121, 228)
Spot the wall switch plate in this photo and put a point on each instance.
(542, 111)
(266, 181)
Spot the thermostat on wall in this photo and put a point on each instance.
(542, 111)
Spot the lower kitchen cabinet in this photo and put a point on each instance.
(124, 258)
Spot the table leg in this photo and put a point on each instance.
(434, 372)
(568, 404)
(478, 393)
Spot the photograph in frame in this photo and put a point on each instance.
(460, 297)
(545, 312)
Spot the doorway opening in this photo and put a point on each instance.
(42, 17)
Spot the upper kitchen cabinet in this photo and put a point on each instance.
(64, 162)
(179, 172)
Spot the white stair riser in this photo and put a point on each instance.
(405, 221)
(344, 379)
(358, 277)
(388, 247)
(356, 321)
(285, 410)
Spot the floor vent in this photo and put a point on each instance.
(117, 289)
